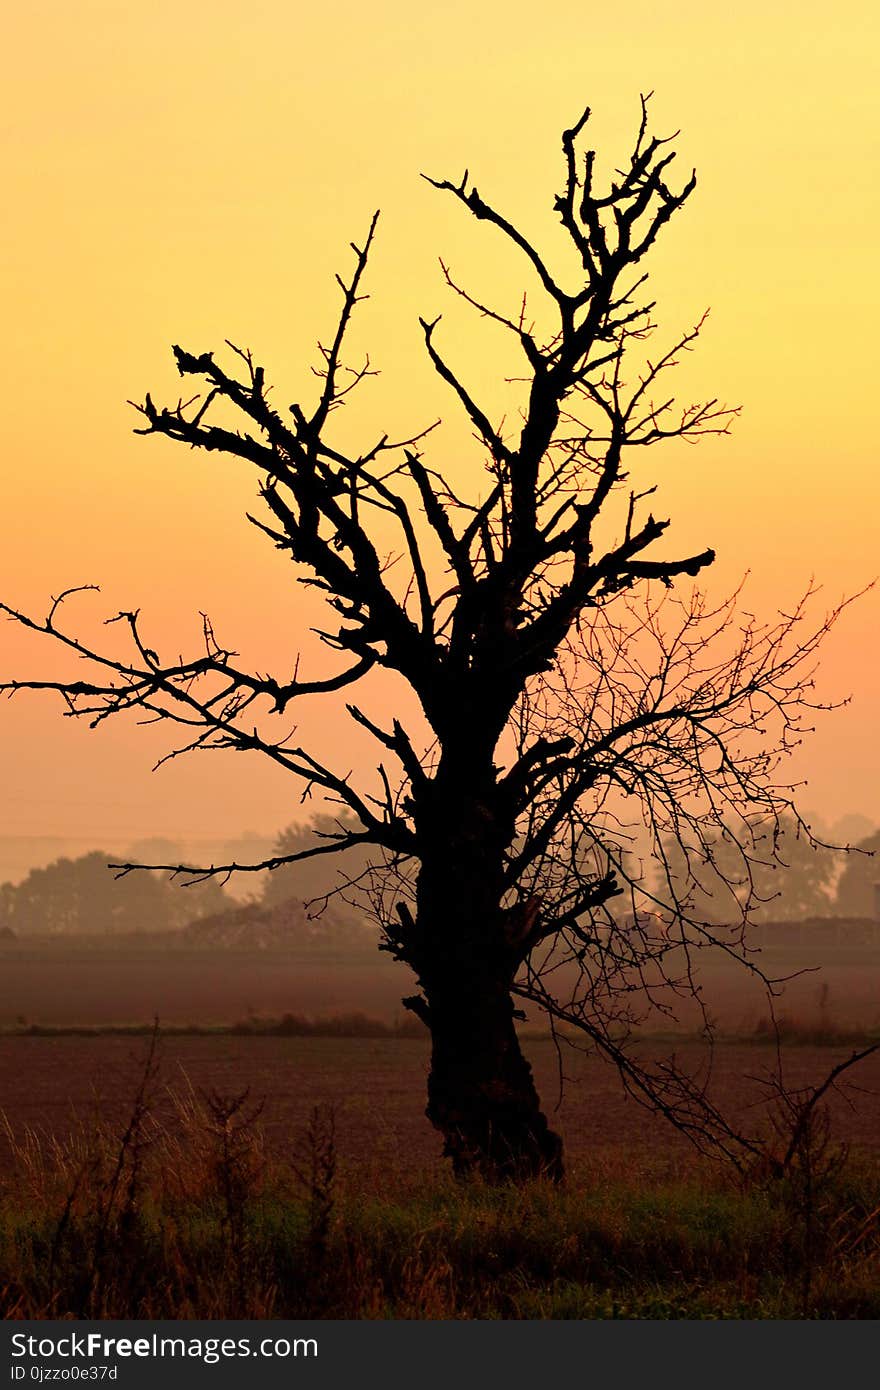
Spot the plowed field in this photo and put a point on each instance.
(376, 1088)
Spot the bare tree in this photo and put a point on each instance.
(576, 709)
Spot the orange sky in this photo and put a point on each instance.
(194, 173)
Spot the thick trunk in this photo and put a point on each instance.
(481, 1093)
(466, 948)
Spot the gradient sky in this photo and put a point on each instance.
(195, 173)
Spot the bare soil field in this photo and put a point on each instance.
(376, 1089)
(99, 982)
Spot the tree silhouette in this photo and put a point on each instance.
(857, 889)
(573, 700)
(314, 879)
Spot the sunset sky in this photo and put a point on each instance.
(195, 173)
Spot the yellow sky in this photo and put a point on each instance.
(194, 173)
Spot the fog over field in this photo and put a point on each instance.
(80, 947)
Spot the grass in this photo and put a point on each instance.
(674, 1251)
(787, 1029)
(184, 1214)
(819, 1031)
(353, 1024)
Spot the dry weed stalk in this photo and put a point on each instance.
(105, 1180)
(801, 1161)
(316, 1172)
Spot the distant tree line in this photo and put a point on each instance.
(82, 896)
(782, 878)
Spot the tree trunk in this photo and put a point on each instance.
(466, 948)
(481, 1092)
